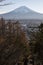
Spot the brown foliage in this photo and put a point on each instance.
(13, 42)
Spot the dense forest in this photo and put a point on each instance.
(15, 48)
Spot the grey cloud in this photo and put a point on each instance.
(1, 0)
(7, 4)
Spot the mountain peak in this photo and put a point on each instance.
(22, 12)
(22, 9)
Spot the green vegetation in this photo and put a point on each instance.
(36, 44)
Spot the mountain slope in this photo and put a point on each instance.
(22, 13)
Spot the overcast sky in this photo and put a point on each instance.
(36, 5)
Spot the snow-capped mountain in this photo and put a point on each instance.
(22, 13)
